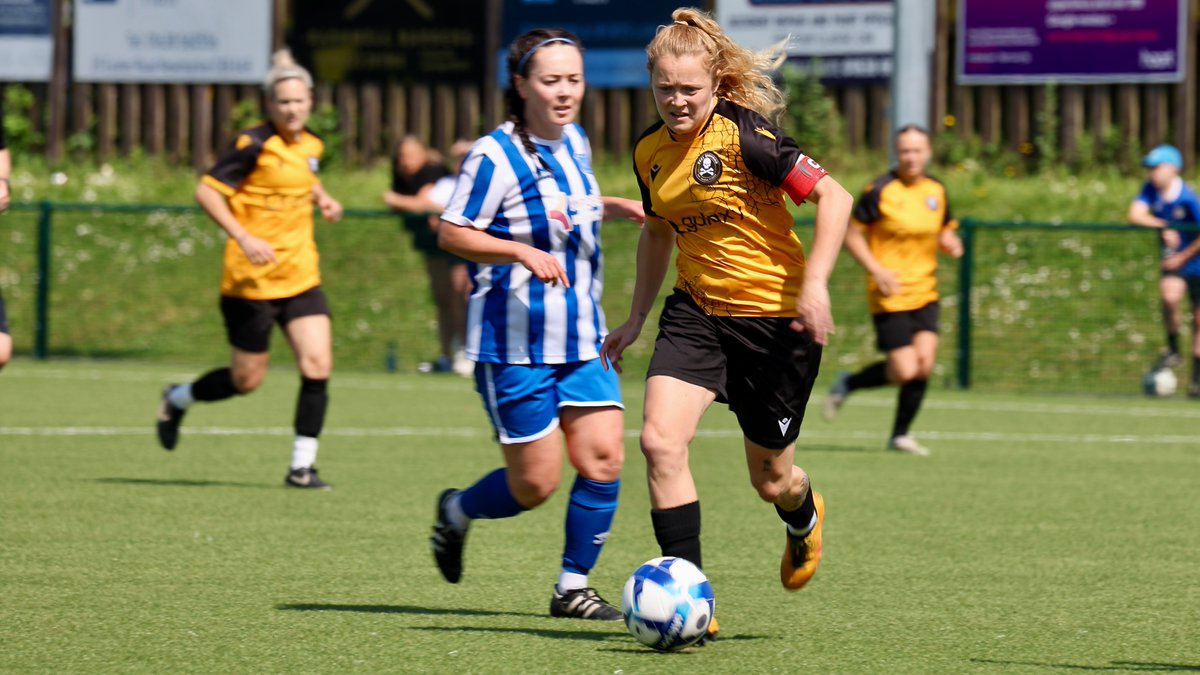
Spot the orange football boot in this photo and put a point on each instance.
(802, 555)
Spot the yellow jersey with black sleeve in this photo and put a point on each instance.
(268, 180)
(722, 190)
(902, 222)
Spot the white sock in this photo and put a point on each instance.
(800, 533)
(304, 452)
(454, 511)
(569, 581)
(180, 396)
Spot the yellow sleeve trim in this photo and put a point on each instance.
(952, 225)
(218, 185)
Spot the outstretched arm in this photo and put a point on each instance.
(619, 207)
(653, 257)
(813, 311)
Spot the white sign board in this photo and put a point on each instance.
(852, 39)
(172, 40)
(813, 28)
(26, 49)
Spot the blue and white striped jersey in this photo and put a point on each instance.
(512, 317)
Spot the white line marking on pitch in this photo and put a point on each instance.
(400, 432)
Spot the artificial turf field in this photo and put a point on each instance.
(1045, 534)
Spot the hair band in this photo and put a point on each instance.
(529, 54)
(683, 23)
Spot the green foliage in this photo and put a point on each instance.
(245, 113)
(324, 123)
(1035, 540)
(812, 117)
(20, 128)
(1046, 137)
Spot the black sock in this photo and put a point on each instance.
(911, 395)
(802, 517)
(310, 407)
(1195, 369)
(1173, 342)
(216, 385)
(678, 532)
(874, 375)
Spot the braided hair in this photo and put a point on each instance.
(520, 56)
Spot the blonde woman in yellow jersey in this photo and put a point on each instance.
(750, 311)
(900, 222)
(261, 192)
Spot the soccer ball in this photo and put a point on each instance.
(667, 603)
(1161, 382)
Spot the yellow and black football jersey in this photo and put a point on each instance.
(902, 223)
(269, 182)
(720, 190)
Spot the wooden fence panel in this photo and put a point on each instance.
(372, 123)
(154, 114)
(1016, 117)
(1071, 127)
(1128, 121)
(443, 116)
(179, 117)
(1100, 110)
(82, 110)
(224, 99)
(853, 106)
(419, 114)
(131, 118)
(106, 121)
(202, 126)
(469, 124)
(347, 106)
(191, 122)
(962, 107)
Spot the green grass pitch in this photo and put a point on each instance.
(1045, 534)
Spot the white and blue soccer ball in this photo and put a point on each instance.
(667, 603)
(1161, 382)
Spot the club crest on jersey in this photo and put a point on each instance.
(932, 203)
(707, 169)
(314, 164)
(1180, 213)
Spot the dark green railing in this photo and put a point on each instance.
(46, 210)
(980, 277)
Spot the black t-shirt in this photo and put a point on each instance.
(411, 185)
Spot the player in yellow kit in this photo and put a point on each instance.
(261, 192)
(750, 311)
(900, 223)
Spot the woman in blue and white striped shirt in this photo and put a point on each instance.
(527, 212)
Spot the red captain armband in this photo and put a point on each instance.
(803, 178)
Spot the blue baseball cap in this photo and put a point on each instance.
(1163, 154)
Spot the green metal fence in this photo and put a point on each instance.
(1030, 306)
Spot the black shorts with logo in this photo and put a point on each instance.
(248, 322)
(761, 367)
(894, 330)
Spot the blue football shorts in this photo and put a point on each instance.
(523, 401)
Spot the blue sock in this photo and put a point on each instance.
(490, 498)
(589, 516)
